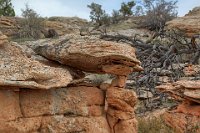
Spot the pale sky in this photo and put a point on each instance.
(70, 8)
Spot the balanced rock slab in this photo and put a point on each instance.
(89, 54)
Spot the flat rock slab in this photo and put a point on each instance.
(89, 54)
(183, 89)
(17, 70)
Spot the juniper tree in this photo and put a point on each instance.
(6, 8)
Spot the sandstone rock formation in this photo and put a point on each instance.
(186, 116)
(3, 39)
(17, 70)
(39, 95)
(65, 25)
(78, 52)
(192, 70)
(190, 23)
(9, 25)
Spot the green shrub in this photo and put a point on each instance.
(6, 8)
(126, 8)
(98, 15)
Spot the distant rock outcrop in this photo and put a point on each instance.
(41, 88)
(11, 26)
(65, 25)
(190, 23)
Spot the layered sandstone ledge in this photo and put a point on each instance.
(186, 116)
(42, 87)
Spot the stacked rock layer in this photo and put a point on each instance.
(41, 88)
(186, 116)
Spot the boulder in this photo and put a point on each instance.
(89, 54)
(185, 117)
(183, 90)
(17, 70)
(42, 86)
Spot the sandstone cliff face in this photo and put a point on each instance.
(186, 116)
(39, 95)
(190, 23)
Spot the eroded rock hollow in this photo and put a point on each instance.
(42, 86)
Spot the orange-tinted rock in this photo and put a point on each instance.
(61, 124)
(189, 108)
(9, 105)
(119, 81)
(126, 95)
(122, 126)
(126, 126)
(40, 96)
(95, 110)
(186, 116)
(104, 86)
(81, 101)
(21, 125)
(56, 123)
(117, 69)
(183, 89)
(182, 123)
(120, 114)
(120, 110)
(119, 105)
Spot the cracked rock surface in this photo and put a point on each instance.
(40, 91)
